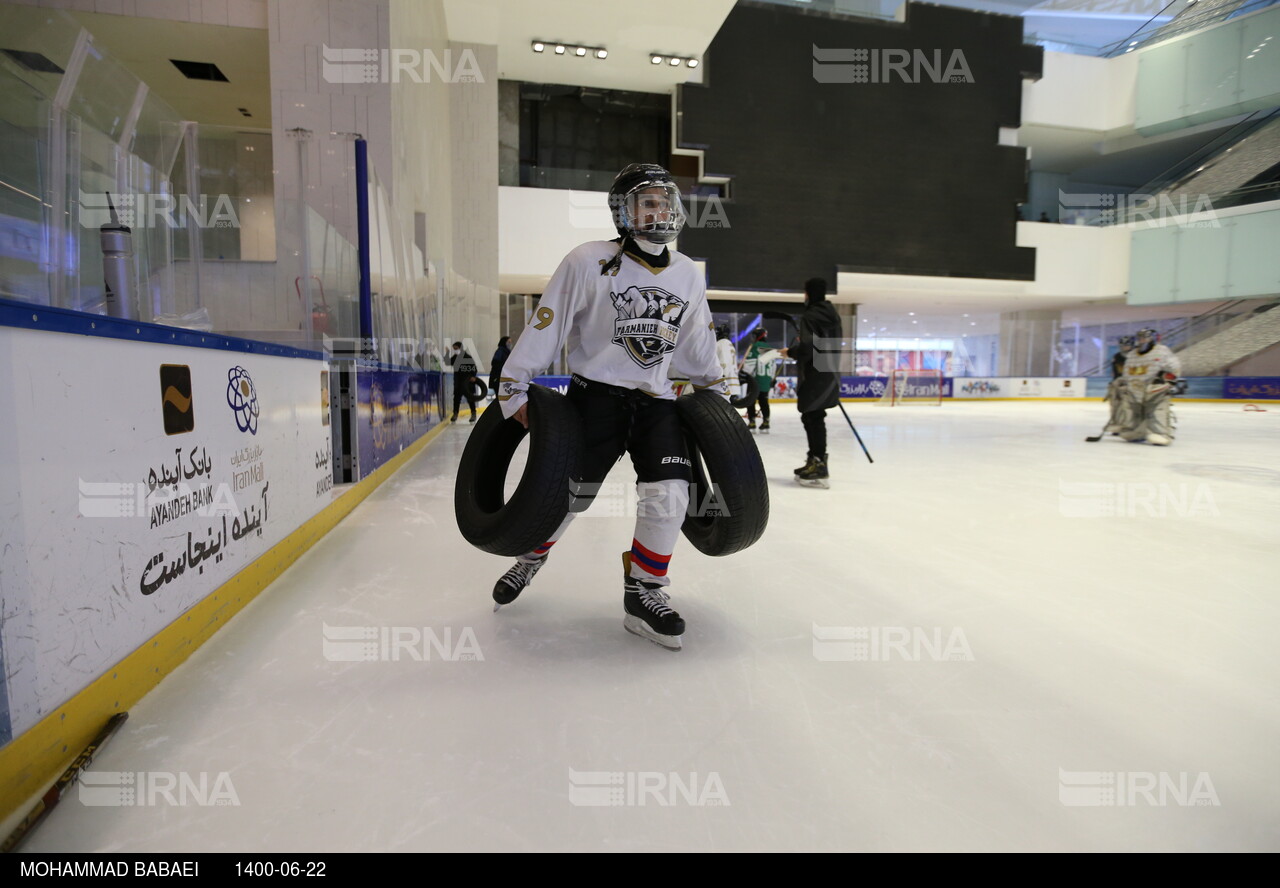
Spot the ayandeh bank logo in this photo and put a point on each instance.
(176, 403)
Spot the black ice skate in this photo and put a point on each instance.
(751, 424)
(647, 612)
(507, 589)
(814, 473)
(764, 427)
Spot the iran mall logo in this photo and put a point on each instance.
(887, 65)
(648, 323)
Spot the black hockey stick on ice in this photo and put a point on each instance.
(780, 316)
(1100, 435)
(50, 799)
(855, 431)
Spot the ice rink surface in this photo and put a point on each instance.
(997, 637)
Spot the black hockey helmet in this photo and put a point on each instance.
(722, 331)
(1149, 333)
(645, 202)
(1127, 341)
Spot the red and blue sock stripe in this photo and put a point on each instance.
(648, 561)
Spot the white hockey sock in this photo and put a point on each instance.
(542, 551)
(659, 513)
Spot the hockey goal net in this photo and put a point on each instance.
(912, 387)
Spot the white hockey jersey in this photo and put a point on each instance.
(634, 327)
(728, 359)
(1140, 369)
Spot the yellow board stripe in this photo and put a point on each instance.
(32, 761)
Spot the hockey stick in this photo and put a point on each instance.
(855, 431)
(50, 799)
(1100, 435)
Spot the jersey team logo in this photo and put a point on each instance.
(648, 323)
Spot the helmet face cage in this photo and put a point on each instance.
(646, 203)
(654, 212)
(1127, 341)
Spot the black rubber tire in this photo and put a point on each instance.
(541, 500)
(739, 512)
(750, 390)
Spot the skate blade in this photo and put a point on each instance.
(637, 626)
(821, 483)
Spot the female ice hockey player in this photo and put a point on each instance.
(633, 313)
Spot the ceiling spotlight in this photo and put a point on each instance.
(580, 51)
(602, 53)
(674, 62)
(692, 63)
(657, 60)
(560, 49)
(538, 46)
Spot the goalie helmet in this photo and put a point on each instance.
(1127, 342)
(645, 202)
(722, 331)
(1147, 339)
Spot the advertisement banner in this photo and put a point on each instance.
(140, 477)
(974, 387)
(1251, 388)
(395, 408)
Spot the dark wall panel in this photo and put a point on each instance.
(893, 174)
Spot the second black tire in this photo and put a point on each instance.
(729, 496)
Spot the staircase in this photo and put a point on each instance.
(1235, 342)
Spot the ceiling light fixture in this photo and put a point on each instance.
(658, 58)
(570, 49)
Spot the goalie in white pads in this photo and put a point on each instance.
(634, 315)
(1150, 381)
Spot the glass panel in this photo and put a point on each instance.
(23, 208)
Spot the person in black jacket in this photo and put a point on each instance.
(499, 358)
(816, 353)
(464, 376)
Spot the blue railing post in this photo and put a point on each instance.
(362, 223)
